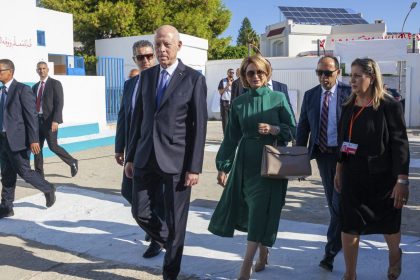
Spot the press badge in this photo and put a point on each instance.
(349, 148)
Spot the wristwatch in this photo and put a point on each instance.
(403, 182)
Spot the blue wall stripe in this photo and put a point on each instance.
(78, 130)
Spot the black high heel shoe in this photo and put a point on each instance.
(260, 264)
(394, 271)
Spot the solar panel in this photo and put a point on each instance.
(323, 16)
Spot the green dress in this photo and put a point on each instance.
(250, 202)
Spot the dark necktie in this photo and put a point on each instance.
(39, 97)
(3, 97)
(163, 82)
(323, 130)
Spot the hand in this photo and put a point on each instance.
(337, 182)
(264, 128)
(119, 157)
(128, 169)
(54, 126)
(35, 148)
(400, 195)
(191, 179)
(221, 178)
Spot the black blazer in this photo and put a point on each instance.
(277, 86)
(310, 114)
(388, 143)
(237, 89)
(52, 100)
(20, 117)
(124, 116)
(176, 131)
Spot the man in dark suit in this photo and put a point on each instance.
(277, 86)
(144, 57)
(167, 146)
(237, 87)
(49, 102)
(318, 122)
(18, 137)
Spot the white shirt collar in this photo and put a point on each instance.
(170, 69)
(7, 85)
(332, 90)
(44, 80)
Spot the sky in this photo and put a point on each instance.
(265, 12)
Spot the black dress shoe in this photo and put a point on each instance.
(74, 168)
(327, 263)
(153, 250)
(6, 212)
(147, 238)
(50, 198)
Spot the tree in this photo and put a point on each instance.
(100, 19)
(247, 35)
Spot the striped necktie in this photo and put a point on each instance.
(323, 130)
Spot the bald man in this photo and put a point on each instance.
(171, 147)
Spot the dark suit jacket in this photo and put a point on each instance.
(52, 101)
(20, 117)
(277, 86)
(388, 144)
(310, 112)
(237, 89)
(176, 131)
(124, 116)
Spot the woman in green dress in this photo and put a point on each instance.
(249, 202)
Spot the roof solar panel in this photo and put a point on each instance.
(328, 16)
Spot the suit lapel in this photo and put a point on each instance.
(152, 87)
(11, 93)
(131, 88)
(176, 78)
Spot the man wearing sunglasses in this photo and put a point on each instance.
(225, 90)
(318, 122)
(144, 58)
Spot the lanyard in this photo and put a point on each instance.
(354, 117)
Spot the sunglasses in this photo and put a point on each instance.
(140, 57)
(251, 73)
(326, 73)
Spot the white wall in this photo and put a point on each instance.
(58, 29)
(193, 52)
(84, 100)
(297, 73)
(303, 43)
(18, 35)
(412, 102)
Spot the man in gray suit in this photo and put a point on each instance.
(167, 146)
(18, 137)
(318, 122)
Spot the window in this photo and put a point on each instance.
(40, 35)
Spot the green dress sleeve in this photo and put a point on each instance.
(233, 134)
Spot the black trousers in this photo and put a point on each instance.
(45, 133)
(13, 163)
(224, 113)
(326, 164)
(147, 200)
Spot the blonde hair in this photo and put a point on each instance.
(371, 68)
(260, 62)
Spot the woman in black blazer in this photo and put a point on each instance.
(372, 171)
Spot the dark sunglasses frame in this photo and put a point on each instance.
(251, 73)
(327, 73)
(140, 57)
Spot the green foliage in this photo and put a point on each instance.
(247, 34)
(100, 19)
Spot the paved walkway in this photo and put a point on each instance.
(89, 233)
(99, 225)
